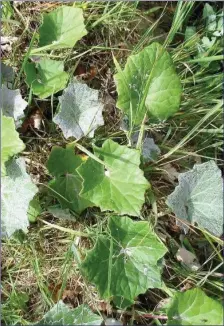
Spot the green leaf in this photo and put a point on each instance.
(190, 32)
(17, 192)
(148, 85)
(34, 210)
(19, 300)
(46, 77)
(61, 314)
(194, 307)
(81, 111)
(10, 142)
(208, 43)
(61, 213)
(62, 28)
(125, 262)
(208, 11)
(220, 27)
(66, 186)
(119, 185)
(12, 104)
(6, 10)
(199, 197)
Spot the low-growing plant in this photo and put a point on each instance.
(127, 256)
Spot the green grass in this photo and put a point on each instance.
(39, 268)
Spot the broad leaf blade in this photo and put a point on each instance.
(130, 253)
(13, 104)
(199, 197)
(62, 28)
(81, 111)
(148, 84)
(17, 192)
(46, 77)
(61, 314)
(66, 186)
(119, 186)
(194, 307)
(10, 142)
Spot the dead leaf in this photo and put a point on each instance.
(170, 172)
(188, 258)
(55, 291)
(33, 120)
(6, 43)
(102, 306)
(85, 73)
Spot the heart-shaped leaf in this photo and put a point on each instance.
(10, 142)
(46, 77)
(66, 186)
(81, 111)
(118, 184)
(17, 192)
(194, 307)
(125, 261)
(61, 314)
(148, 85)
(199, 197)
(61, 28)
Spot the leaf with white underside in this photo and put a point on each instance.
(7, 73)
(11, 144)
(61, 314)
(61, 28)
(149, 150)
(148, 85)
(45, 77)
(17, 192)
(67, 183)
(194, 307)
(118, 184)
(80, 111)
(199, 197)
(125, 262)
(12, 104)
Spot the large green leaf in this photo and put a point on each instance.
(17, 192)
(124, 262)
(61, 314)
(199, 197)
(81, 111)
(119, 185)
(46, 77)
(148, 84)
(194, 307)
(66, 186)
(11, 144)
(61, 28)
